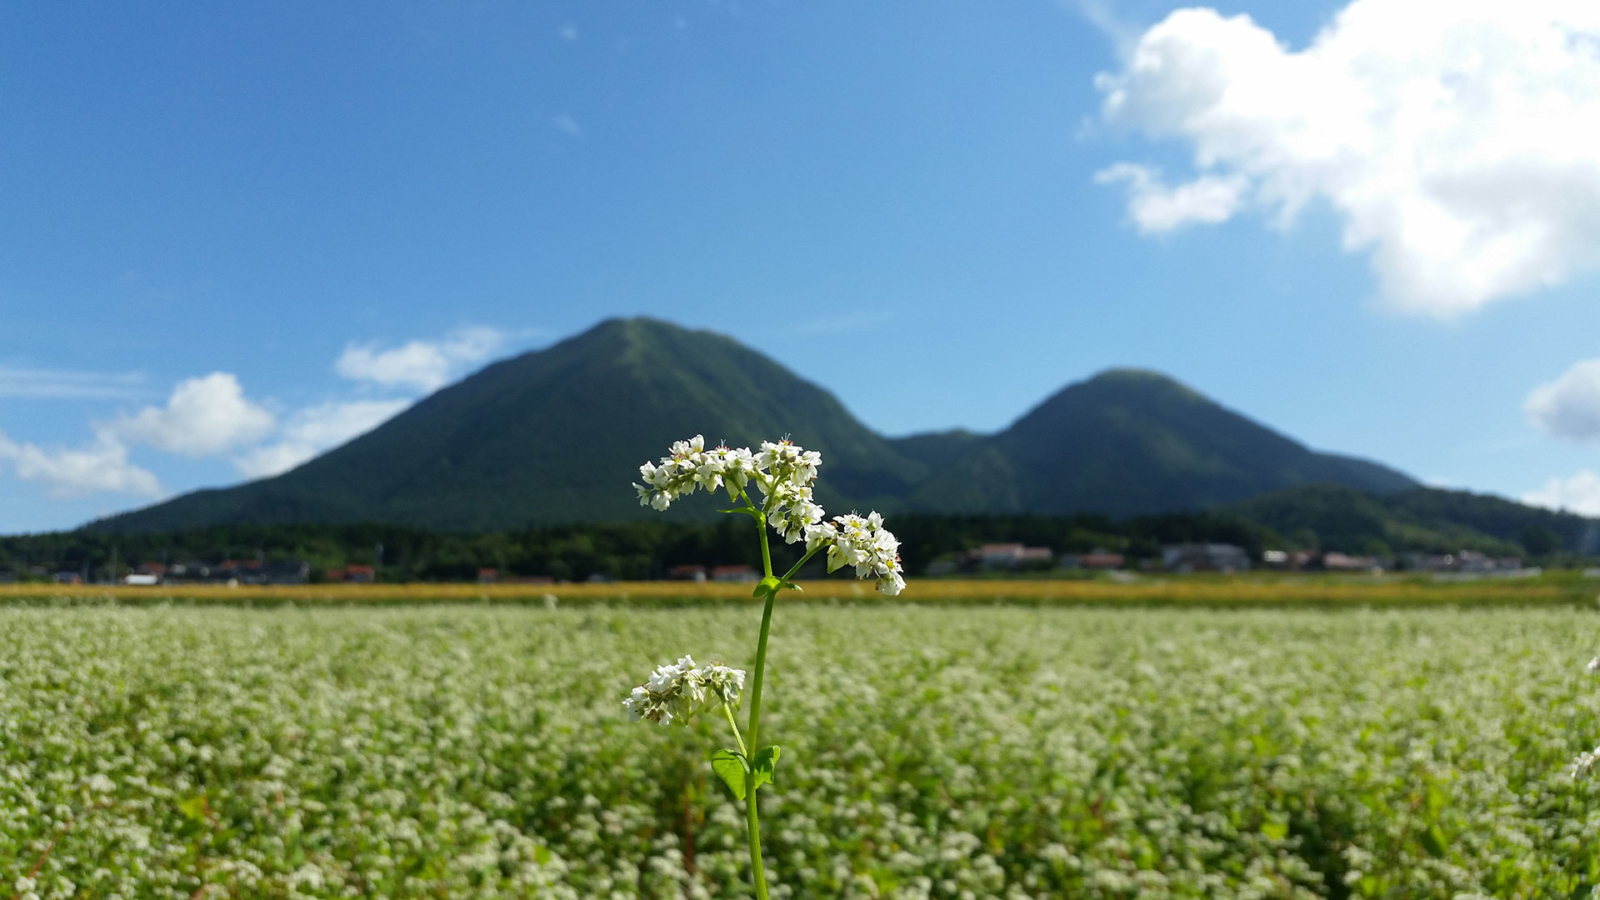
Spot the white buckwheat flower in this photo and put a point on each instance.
(861, 542)
(676, 691)
(679, 474)
(787, 462)
(793, 511)
(785, 472)
(1593, 666)
(1586, 761)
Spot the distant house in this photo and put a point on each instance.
(488, 576)
(733, 573)
(360, 574)
(1275, 559)
(68, 578)
(1012, 556)
(999, 556)
(1344, 562)
(693, 573)
(287, 572)
(192, 571)
(1205, 558)
(159, 570)
(1100, 559)
(138, 580)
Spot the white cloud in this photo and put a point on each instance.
(1579, 493)
(1155, 207)
(1568, 407)
(101, 466)
(422, 365)
(32, 383)
(1454, 138)
(1104, 17)
(313, 430)
(203, 416)
(566, 125)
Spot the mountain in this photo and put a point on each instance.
(557, 435)
(1128, 442)
(1420, 519)
(937, 449)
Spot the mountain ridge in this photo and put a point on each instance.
(556, 435)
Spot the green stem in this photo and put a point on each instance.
(795, 569)
(727, 711)
(766, 551)
(751, 816)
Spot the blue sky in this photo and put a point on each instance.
(232, 234)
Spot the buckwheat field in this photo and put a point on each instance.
(949, 753)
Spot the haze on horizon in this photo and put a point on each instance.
(237, 237)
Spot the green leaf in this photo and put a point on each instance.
(768, 585)
(766, 761)
(731, 767)
(1434, 841)
(194, 808)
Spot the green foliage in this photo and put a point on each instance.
(1002, 752)
(765, 763)
(1421, 520)
(743, 775)
(733, 769)
(1330, 518)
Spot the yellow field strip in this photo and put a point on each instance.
(1196, 590)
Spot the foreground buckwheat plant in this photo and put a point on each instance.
(1589, 759)
(785, 475)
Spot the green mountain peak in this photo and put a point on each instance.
(556, 435)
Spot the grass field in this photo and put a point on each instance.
(1002, 752)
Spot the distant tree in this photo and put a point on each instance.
(1541, 541)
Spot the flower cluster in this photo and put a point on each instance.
(786, 475)
(862, 542)
(677, 691)
(691, 466)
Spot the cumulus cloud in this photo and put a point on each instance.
(422, 365)
(100, 466)
(203, 416)
(1579, 493)
(1155, 207)
(313, 430)
(1568, 407)
(1452, 137)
